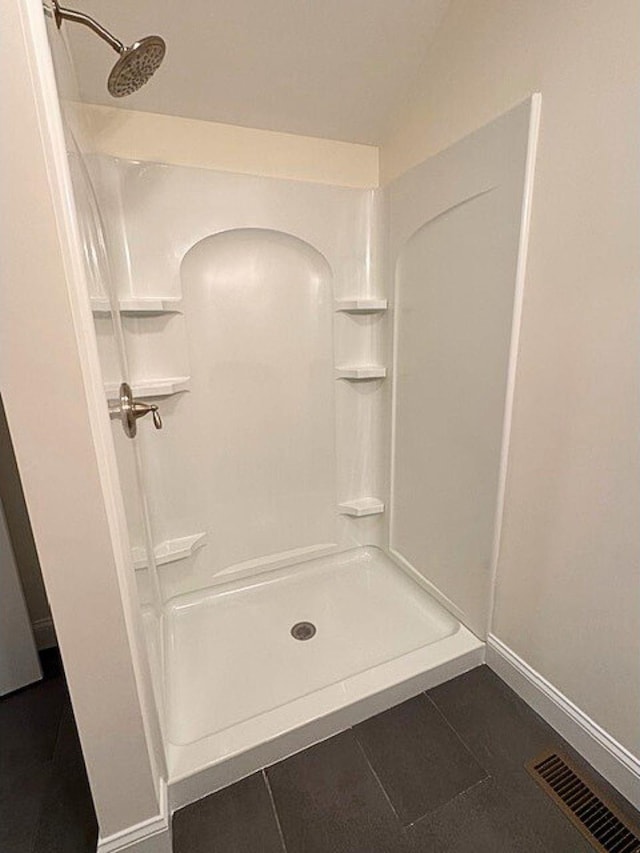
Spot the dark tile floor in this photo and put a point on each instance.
(441, 773)
(45, 803)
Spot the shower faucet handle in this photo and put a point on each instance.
(142, 409)
(129, 410)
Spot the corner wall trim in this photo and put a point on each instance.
(614, 761)
(149, 836)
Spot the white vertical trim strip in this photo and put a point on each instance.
(518, 299)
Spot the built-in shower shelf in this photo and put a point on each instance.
(361, 507)
(367, 305)
(152, 387)
(170, 551)
(138, 307)
(358, 372)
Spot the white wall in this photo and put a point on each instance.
(568, 595)
(60, 429)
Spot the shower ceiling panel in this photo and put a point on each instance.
(336, 69)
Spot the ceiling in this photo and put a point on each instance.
(332, 68)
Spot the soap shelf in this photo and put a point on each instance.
(364, 305)
(170, 551)
(359, 372)
(361, 507)
(139, 306)
(151, 387)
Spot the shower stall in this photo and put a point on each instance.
(310, 392)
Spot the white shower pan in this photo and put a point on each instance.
(242, 692)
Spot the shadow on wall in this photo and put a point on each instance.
(24, 548)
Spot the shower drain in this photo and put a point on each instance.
(303, 631)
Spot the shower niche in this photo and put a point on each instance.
(335, 370)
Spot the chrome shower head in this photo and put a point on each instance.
(136, 64)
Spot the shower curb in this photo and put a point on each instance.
(209, 779)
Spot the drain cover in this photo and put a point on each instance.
(303, 631)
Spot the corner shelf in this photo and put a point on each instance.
(139, 306)
(151, 387)
(361, 507)
(365, 305)
(359, 372)
(170, 551)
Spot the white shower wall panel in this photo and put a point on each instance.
(456, 237)
(266, 442)
(168, 209)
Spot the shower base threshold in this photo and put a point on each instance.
(247, 685)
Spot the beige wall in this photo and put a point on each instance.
(186, 142)
(568, 595)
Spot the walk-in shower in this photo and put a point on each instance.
(137, 62)
(314, 531)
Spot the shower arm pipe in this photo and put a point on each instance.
(61, 14)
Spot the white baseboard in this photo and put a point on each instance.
(150, 836)
(612, 760)
(44, 633)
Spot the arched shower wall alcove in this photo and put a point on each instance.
(259, 422)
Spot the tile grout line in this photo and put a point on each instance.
(458, 735)
(377, 778)
(498, 782)
(39, 813)
(453, 799)
(39, 818)
(274, 808)
(406, 827)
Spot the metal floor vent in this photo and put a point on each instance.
(600, 823)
